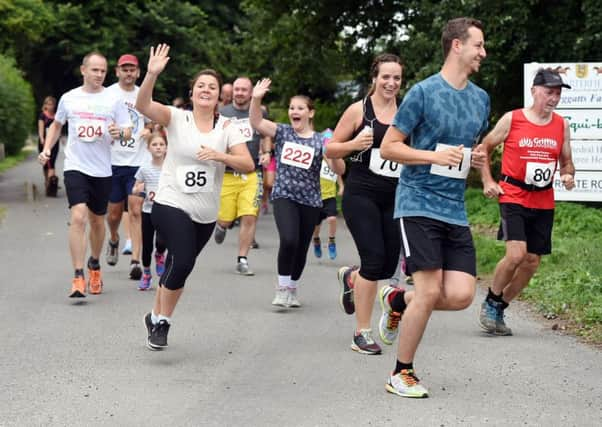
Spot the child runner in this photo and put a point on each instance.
(147, 182)
(296, 193)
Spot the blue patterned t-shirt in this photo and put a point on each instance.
(434, 112)
(298, 162)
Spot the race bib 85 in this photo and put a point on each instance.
(195, 178)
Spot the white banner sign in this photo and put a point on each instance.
(587, 155)
(588, 187)
(584, 124)
(585, 80)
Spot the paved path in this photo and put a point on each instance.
(233, 360)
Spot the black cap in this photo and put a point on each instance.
(549, 78)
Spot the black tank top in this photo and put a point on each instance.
(360, 176)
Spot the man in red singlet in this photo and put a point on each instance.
(535, 139)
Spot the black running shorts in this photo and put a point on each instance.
(429, 244)
(533, 226)
(92, 191)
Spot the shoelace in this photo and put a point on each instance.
(367, 334)
(408, 377)
(394, 318)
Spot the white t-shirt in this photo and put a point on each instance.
(187, 183)
(131, 152)
(149, 174)
(89, 142)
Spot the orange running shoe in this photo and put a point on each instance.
(95, 282)
(78, 287)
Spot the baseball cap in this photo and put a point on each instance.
(549, 78)
(127, 59)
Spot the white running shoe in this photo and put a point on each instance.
(292, 300)
(281, 297)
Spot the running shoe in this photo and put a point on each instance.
(148, 322)
(95, 282)
(254, 245)
(389, 320)
(160, 263)
(145, 282)
(220, 234)
(127, 248)
(135, 271)
(281, 297)
(78, 287)
(500, 325)
(364, 343)
(292, 300)
(318, 249)
(332, 250)
(406, 384)
(242, 267)
(346, 294)
(157, 339)
(113, 252)
(488, 316)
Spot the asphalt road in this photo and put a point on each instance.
(234, 360)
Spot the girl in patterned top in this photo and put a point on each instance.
(296, 193)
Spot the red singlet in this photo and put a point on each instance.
(530, 155)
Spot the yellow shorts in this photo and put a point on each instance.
(241, 195)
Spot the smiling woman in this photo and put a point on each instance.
(185, 208)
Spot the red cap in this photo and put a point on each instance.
(127, 59)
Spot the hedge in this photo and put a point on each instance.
(17, 109)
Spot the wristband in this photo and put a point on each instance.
(120, 133)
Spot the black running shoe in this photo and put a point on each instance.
(149, 325)
(135, 271)
(346, 294)
(158, 336)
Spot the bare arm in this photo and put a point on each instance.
(52, 136)
(494, 138)
(342, 145)
(394, 148)
(567, 168)
(266, 150)
(155, 111)
(41, 130)
(238, 157)
(263, 126)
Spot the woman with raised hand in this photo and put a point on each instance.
(187, 200)
(369, 197)
(296, 193)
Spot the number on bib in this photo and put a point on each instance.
(125, 145)
(327, 173)
(89, 131)
(539, 174)
(195, 179)
(383, 167)
(297, 155)
(458, 172)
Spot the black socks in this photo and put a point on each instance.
(399, 366)
(93, 264)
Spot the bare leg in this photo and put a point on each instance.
(114, 219)
(97, 234)
(248, 225)
(77, 234)
(135, 222)
(364, 293)
(521, 278)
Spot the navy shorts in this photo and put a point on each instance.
(429, 244)
(124, 178)
(329, 208)
(91, 190)
(533, 226)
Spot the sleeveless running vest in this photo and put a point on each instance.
(361, 175)
(529, 161)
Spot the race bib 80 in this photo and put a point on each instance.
(458, 172)
(195, 178)
(539, 174)
(383, 167)
(297, 155)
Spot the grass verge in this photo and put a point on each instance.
(11, 161)
(568, 283)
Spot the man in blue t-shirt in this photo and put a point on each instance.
(439, 122)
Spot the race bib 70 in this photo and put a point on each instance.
(383, 167)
